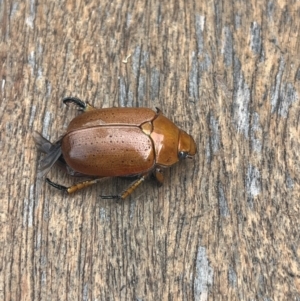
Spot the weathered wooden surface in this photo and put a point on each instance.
(224, 226)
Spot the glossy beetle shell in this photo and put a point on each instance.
(108, 151)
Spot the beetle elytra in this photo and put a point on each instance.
(115, 142)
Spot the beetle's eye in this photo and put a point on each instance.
(182, 155)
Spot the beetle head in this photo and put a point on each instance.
(186, 146)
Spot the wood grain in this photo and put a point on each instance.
(222, 227)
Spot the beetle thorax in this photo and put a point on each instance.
(165, 137)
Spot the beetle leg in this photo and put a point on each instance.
(82, 106)
(126, 192)
(74, 187)
(159, 176)
(158, 111)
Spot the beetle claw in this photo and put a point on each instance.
(81, 104)
(57, 186)
(158, 111)
(110, 197)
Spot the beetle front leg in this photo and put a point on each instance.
(75, 187)
(82, 106)
(133, 186)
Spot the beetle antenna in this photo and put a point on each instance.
(81, 104)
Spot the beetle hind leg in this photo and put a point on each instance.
(133, 186)
(82, 106)
(75, 187)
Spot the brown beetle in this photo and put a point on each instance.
(115, 142)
